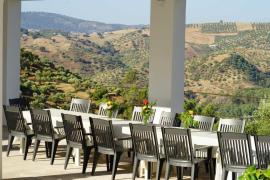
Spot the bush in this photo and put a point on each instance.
(99, 93)
(209, 110)
(260, 124)
(255, 174)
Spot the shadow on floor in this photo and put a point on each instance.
(70, 176)
(58, 177)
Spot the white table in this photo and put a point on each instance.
(118, 124)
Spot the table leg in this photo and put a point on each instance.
(22, 144)
(77, 156)
(141, 169)
(145, 170)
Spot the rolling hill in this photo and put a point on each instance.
(43, 20)
(223, 59)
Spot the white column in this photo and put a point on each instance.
(11, 49)
(1, 75)
(10, 14)
(167, 53)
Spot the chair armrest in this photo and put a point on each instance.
(122, 139)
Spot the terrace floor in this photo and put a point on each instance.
(14, 167)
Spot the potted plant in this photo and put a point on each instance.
(110, 108)
(147, 110)
(187, 119)
(255, 174)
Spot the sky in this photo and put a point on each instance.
(138, 11)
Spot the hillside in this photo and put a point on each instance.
(107, 58)
(42, 20)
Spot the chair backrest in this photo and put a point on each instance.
(262, 144)
(22, 103)
(15, 120)
(102, 133)
(144, 140)
(104, 112)
(158, 112)
(178, 144)
(235, 149)
(167, 118)
(42, 123)
(137, 114)
(231, 125)
(205, 123)
(73, 127)
(80, 105)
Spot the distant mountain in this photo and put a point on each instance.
(43, 20)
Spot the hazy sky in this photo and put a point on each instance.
(138, 11)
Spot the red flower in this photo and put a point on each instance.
(145, 102)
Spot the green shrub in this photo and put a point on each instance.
(260, 123)
(99, 93)
(255, 174)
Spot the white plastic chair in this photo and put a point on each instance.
(137, 114)
(231, 125)
(167, 118)
(205, 123)
(80, 105)
(103, 111)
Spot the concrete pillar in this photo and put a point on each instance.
(13, 26)
(11, 49)
(1, 75)
(10, 15)
(167, 53)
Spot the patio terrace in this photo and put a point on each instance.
(14, 167)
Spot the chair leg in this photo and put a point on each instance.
(68, 154)
(28, 143)
(135, 167)
(211, 173)
(206, 165)
(234, 175)
(224, 174)
(116, 159)
(214, 161)
(10, 141)
(149, 167)
(108, 162)
(180, 173)
(95, 161)
(54, 149)
(197, 168)
(49, 148)
(193, 174)
(111, 162)
(159, 168)
(168, 171)
(46, 149)
(37, 142)
(133, 157)
(86, 154)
